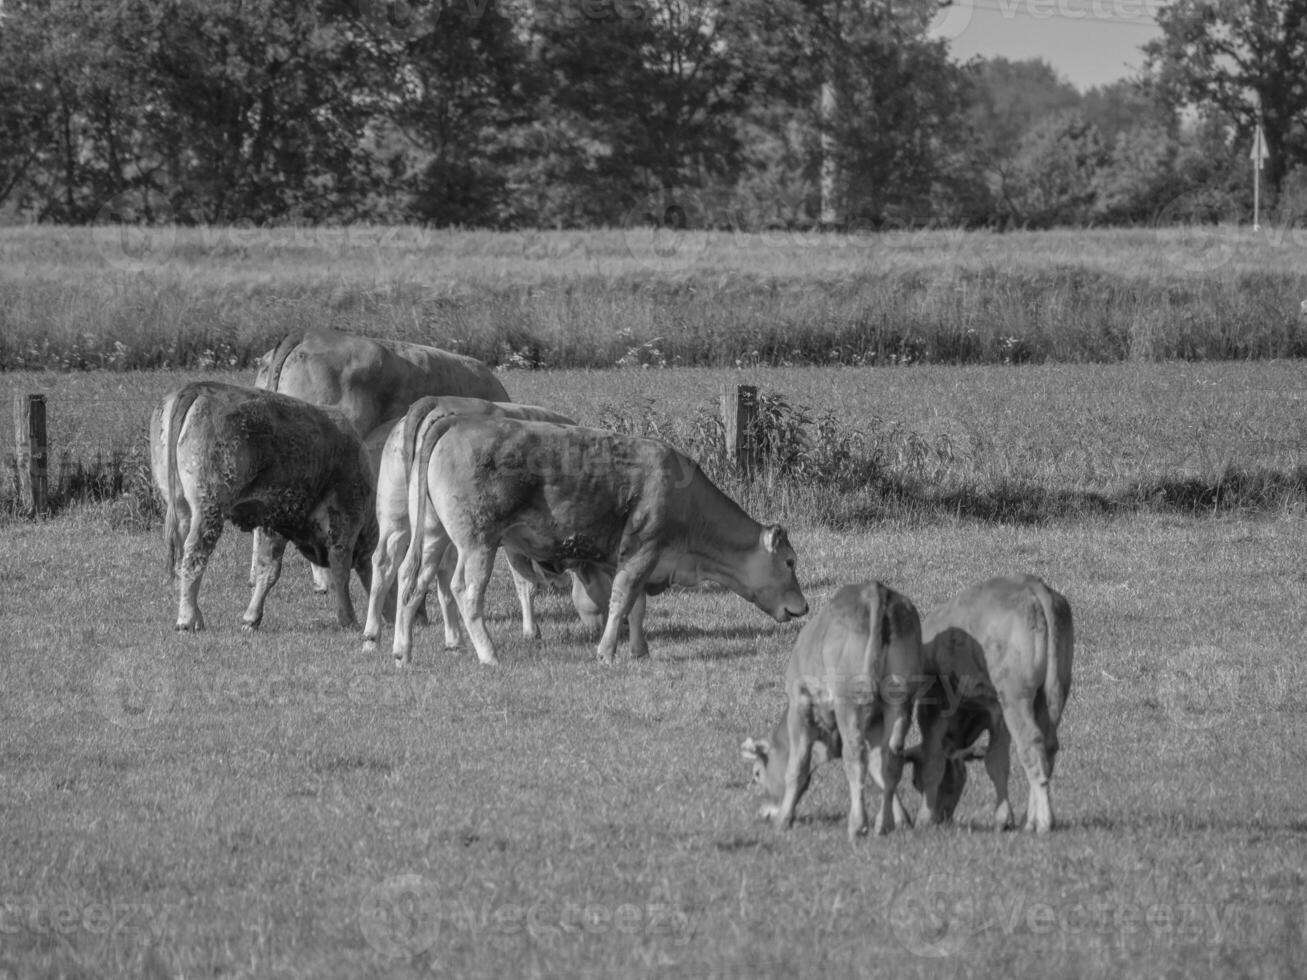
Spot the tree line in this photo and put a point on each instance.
(575, 113)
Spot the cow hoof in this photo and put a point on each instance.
(187, 628)
(369, 644)
(249, 627)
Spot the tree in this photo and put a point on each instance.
(1054, 173)
(1232, 56)
(899, 99)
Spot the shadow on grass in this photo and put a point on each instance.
(1015, 502)
(1185, 822)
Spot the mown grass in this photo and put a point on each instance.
(203, 298)
(925, 443)
(279, 805)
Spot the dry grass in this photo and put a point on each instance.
(219, 297)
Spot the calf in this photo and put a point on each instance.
(852, 679)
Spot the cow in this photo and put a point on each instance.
(221, 452)
(371, 381)
(405, 443)
(854, 674)
(1001, 652)
(571, 497)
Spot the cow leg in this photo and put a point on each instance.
(1020, 718)
(628, 588)
(997, 764)
(201, 538)
(321, 579)
(855, 767)
(385, 565)
(471, 576)
(340, 569)
(269, 548)
(256, 548)
(871, 746)
(933, 724)
(639, 642)
(897, 718)
(413, 586)
(449, 614)
(524, 581)
(797, 766)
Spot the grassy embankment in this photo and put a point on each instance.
(145, 298)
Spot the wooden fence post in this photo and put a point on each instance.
(31, 453)
(740, 420)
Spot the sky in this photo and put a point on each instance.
(1088, 42)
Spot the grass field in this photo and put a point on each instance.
(1024, 443)
(148, 298)
(280, 805)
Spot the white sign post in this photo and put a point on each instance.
(1258, 156)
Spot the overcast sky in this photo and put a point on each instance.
(1089, 42)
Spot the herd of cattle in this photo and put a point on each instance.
(357, 450)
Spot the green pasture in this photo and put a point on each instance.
(126, 297)
(280, 805)
(1027, 443)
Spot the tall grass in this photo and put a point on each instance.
(87, 298)
(841, 446)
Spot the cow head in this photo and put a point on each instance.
(955, 775)
(773, 583)
(769, 757)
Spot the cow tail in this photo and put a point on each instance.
(418, 498)
(1056, 639)
(173, 536)
(287, 344)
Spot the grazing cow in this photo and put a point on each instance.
(221, 452)
(1001, 652)
(405, 443)
(370, 381)
(585, 499)
(856, 670)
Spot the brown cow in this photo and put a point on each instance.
(371, 381)
(584, 499)
(221, 453)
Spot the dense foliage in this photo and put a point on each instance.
(569, 113)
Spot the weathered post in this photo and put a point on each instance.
(740, 421)
(31, 453)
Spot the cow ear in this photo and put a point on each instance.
(774, 538)
(754, 750)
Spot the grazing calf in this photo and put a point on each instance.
(1001, 652)
(222, 453)
(588, 500)
(852, 679)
